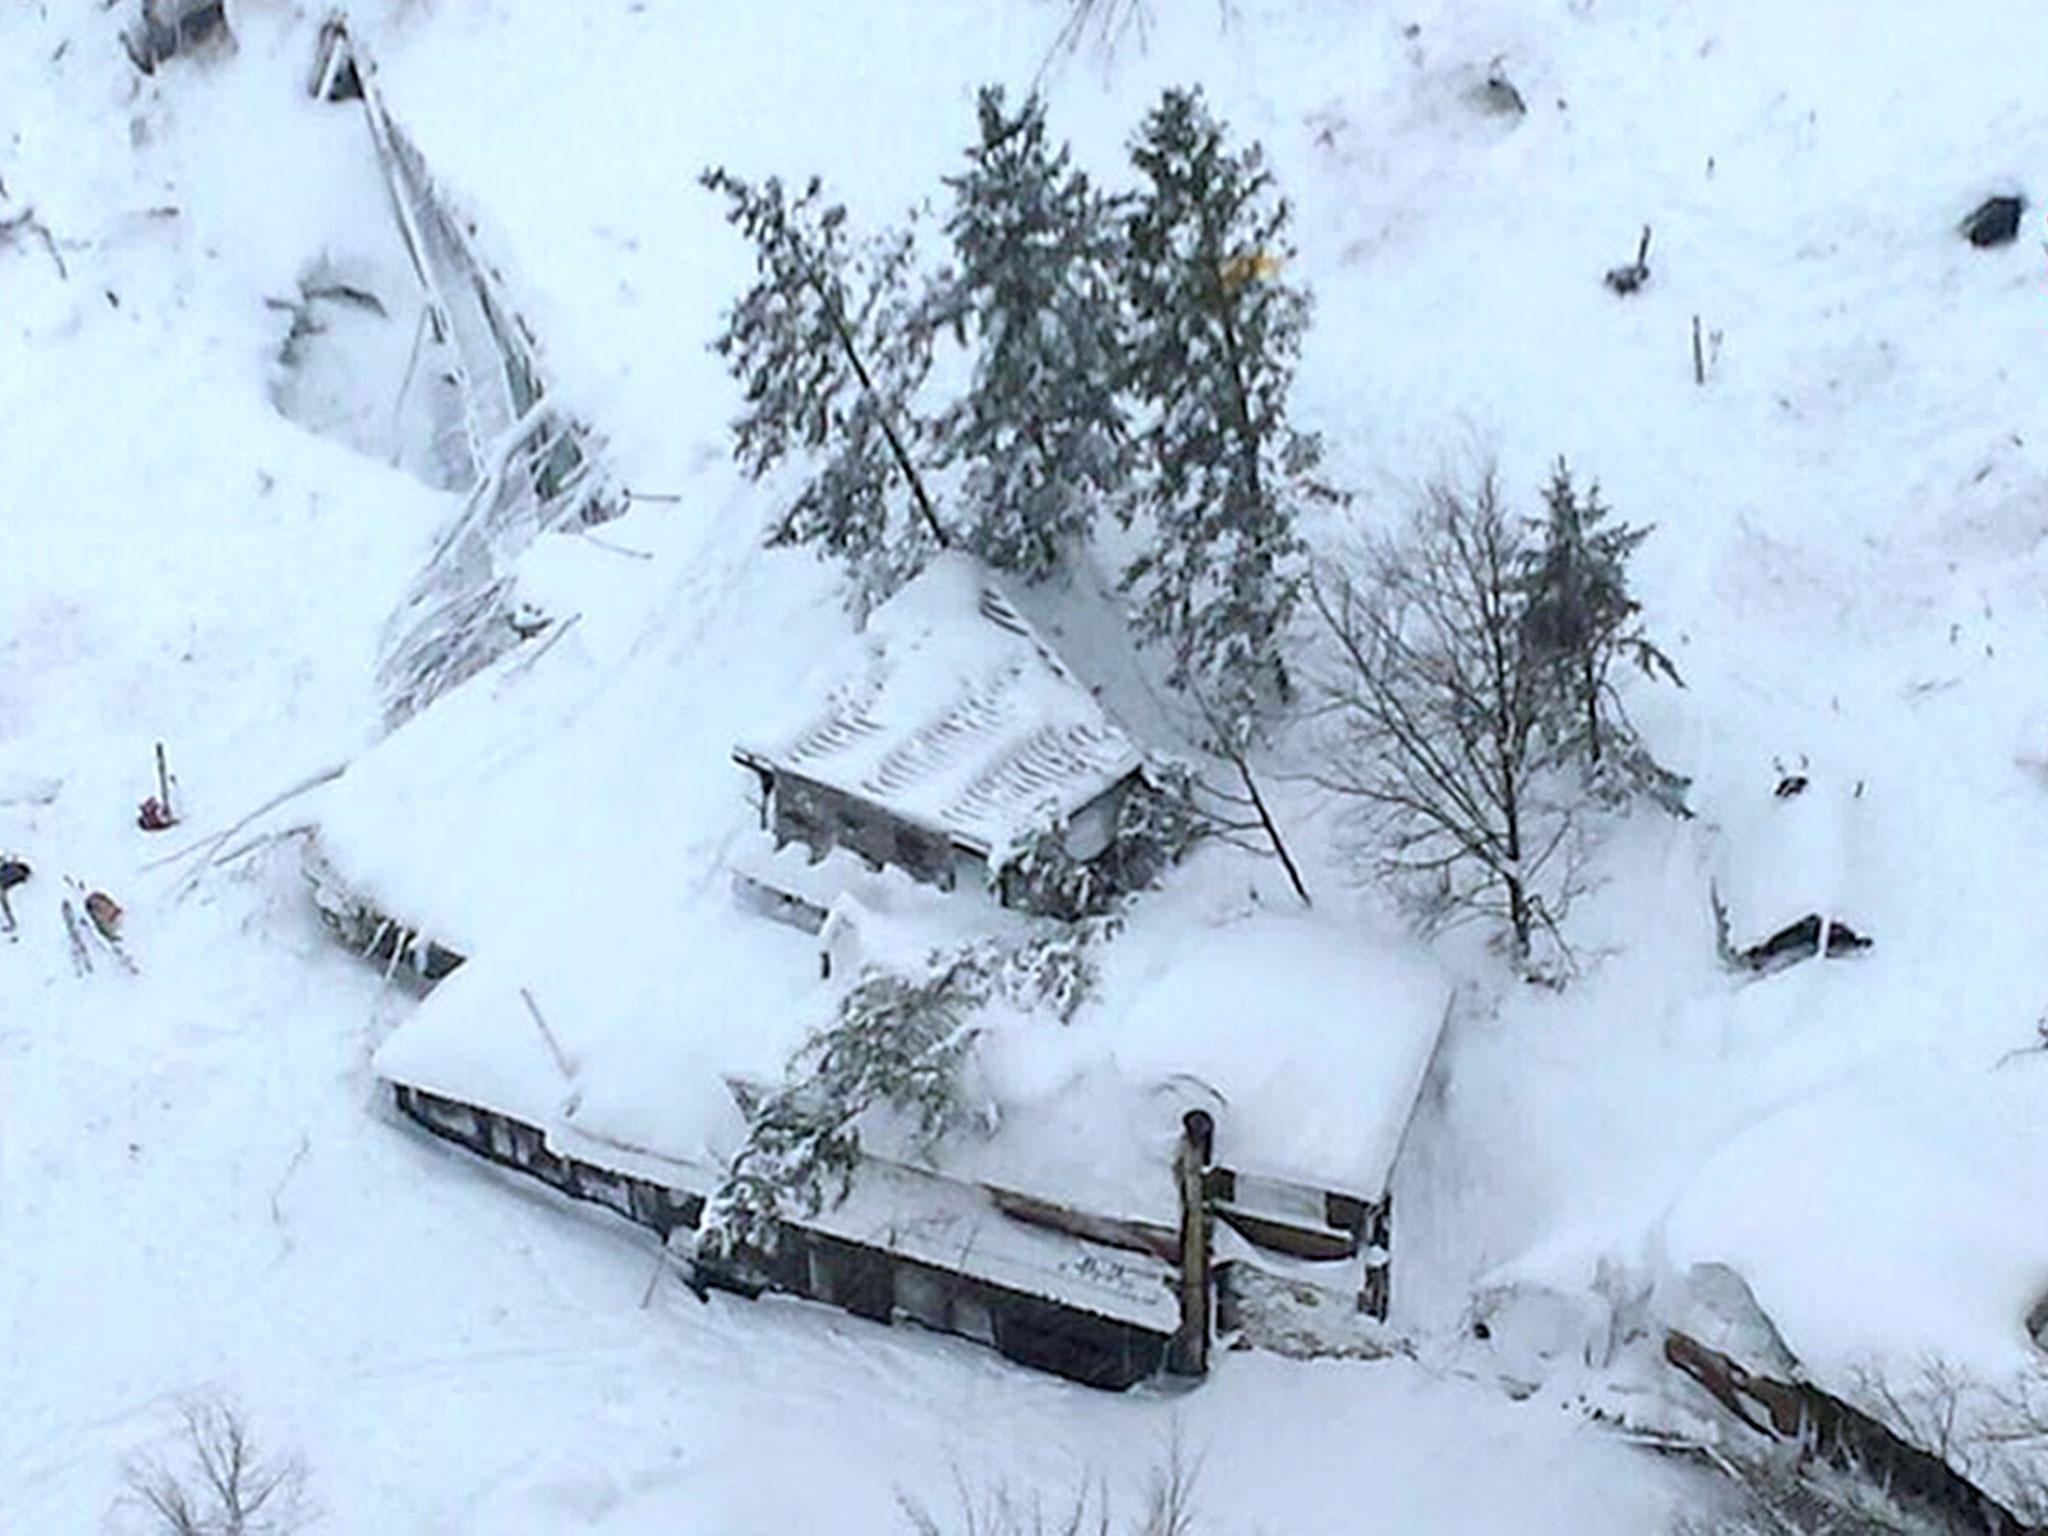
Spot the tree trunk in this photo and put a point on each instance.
(1519, 915)
(860, 372)
(1590, 686)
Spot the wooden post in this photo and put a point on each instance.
(1190, 1353)
(1699, 357)
(163, 784)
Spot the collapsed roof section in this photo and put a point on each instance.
(530, 467)
(950, 712)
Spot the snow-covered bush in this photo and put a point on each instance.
(1170, 1508)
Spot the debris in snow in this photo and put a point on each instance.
(1289, 1313)
(167, 28)
(105, 913)
(1626, 280)
(1833, 1432)
(105, 916)
(334, 66)
(1996, 221)
(81, 957)
(1497, 93)
(12, 873)
(527, 620)
(155, 813)
(1802, 941)
(26, 222)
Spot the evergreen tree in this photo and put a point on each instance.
(830, 346)
(1578, 618)
(1040, 431)
(899, 1043)
(1215, 338)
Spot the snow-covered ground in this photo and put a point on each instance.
(200, 1187)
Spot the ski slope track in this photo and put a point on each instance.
(203, 1190)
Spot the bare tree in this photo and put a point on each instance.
(1000, 1511)
(1993, 1434)
(1171, 1507)
(1436, 712)
(224, 1484)
(1929, 1451)
(1787, 1496)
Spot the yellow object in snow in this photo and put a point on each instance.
(1250, 267)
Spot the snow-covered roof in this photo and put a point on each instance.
(1306, 1041)
(952, 1226)
(629, 1053)
(951, 711)
(541, 820)
(1886, 1214)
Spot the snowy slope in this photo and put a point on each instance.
(197, 1186)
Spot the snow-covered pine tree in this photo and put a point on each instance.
(900, 1042)
(1578, 617)
(1040, 432)
(830, 345)
(1214, 340)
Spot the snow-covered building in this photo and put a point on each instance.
(948, 731)
(616, 1008)
(1207, 1148)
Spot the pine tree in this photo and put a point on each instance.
(897, 1041)
(1216, 334)
(1040, 431)
(1579, 617)
(900, 1043)
(830, 345)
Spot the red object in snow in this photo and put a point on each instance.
(152, 816)
(105, 913)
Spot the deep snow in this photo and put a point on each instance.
(199, 1188)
